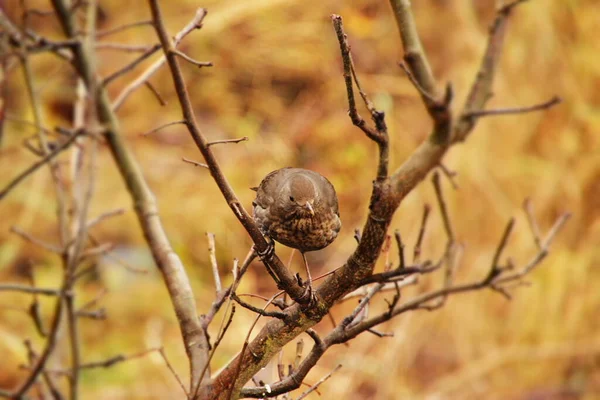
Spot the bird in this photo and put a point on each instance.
(298, 208)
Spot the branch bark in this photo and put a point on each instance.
(387, 194)
(170, 265)
(283, 277)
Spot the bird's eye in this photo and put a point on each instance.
(291, 198)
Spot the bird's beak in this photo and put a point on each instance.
(310, 209)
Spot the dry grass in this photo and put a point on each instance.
(277, 79)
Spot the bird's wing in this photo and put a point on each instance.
(328, 193)
(269, 187)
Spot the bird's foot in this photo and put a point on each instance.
(268, 253)
(308, 297)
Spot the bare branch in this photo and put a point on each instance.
(213, 261)
(558, 225)
(283, 276)
(40, 364)
(542, 253)
(194, 163)
(413, 50)
(481, 89)
(494, 269)
(428, 98)
(417, 249)
(117, 359)
(11, 287)
(107, 32)
(104, 216)
(163, 126)
(515, 110)
(379, 133)
(47, 159)
(156, 94)
(246, 343)
(398, 273)
(168, 262)
(195, 23)
(177, 378)
(189, 59)
(122, 71)
(401, 262)
(38, 242)
(450, 175)
(443, 207)
(238, 140)
(319, 382)
(533, 226)
(257, 310)
(128, 48)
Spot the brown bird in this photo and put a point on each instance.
(299, 209)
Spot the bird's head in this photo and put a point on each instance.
(299, 196)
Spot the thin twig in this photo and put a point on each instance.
(319, 382)
(443, 207)
(129, 48)
(450, 175)
(104, 216)
(281, 274)
(38, 242)
(417, 248)
(558, 225)
(107, 32)
(194, 163)
(169, 263)
(213, 261)
(163, 126)
(40, 364)
(123, 70)
(109, 362)
(428, 98)
(12, 287)
(388, 286)
(189, 59)
(215, 308)
(378, 134)
(494, 269)
(48, 158)
(401, 262)
(257, 310)
(238, 140)
(156, 94)
(247, 341)
(515, 110)
(533, 226)
(161, 351)
(481, 89)
(195, 23)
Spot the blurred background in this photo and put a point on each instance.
(277, 79)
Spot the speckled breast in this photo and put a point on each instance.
(306, 234)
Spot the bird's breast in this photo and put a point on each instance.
(305, 233)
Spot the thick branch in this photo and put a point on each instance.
(284, 278)
(413, 50)
(168, 262)
(481, 90)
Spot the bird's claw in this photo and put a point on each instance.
(267, 254)
(308, 297)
